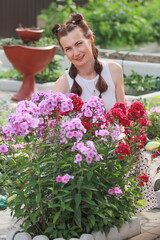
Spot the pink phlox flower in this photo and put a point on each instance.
(90, 144)
(20, 145)
(102, 133)
(93, 107)
(98, 157)
(52, 123)
(7, 131)
(88, 159)
(116, 132)
(66, 178)
(3, 148)
(156, 110)
(78, 159)
(118, 192)
(80, 145)
(71, 129)
(111, 191)
(69, 134)
(58, 179)
(90, 154)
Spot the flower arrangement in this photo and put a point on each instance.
(65, 168)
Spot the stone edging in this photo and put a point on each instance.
(130, 229)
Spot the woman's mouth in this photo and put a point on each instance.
(79, 59)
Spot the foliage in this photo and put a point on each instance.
(153, 130)
(43, 42)
(142, 83)
(114, 23)
(50, 74)
(153, 116)
(64, 168)
(56, 13)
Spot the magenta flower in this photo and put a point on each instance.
(58, 179)
(111, 191)
(3, 148)
(64, 179)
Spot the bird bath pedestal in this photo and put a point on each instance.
(29, 61)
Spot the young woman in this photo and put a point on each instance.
(87, 76)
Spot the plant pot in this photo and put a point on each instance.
(29, 61)
(29, 35)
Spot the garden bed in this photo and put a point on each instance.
(130, 56)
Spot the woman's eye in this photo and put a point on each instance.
(79, 43)
(67, 49)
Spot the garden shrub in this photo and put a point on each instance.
(64, 169)
(115, 23)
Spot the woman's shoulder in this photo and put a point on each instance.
(61, 85)
(113, 66)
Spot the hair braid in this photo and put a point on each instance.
(76, 88)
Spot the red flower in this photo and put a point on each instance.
(143, 178)
(122, 106)
(120, 157)
(124, 148)
(136, 111)
(143, 121)
(77, 102)
(143, 138)
(141, 184)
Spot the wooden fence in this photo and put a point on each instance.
(22, 12)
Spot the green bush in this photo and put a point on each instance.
(138, 82)
(115, 23)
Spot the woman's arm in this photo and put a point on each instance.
(117, 76)
(61, 85)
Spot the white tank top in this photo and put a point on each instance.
(89, 87)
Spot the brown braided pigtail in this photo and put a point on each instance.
(101, 84)
(76, 88)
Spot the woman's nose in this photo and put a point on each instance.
(75, 52)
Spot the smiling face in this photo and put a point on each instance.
(77, 47)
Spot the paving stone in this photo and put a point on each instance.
(144, 236)
(41, 237)
(99, 236)
(155, 230)
(113, 234)
(86, 237)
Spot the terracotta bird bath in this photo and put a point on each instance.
(29, 35)
(29, 61)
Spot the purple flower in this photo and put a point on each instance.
(3, 148)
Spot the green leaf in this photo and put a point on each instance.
(78, 199)
(89, 187)
(38, 197)
(89, 175)
(92, 219)
(79, 182)
(91, 202)
(141, 202)
(77, 216)
(69, 208)
(56, 216)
